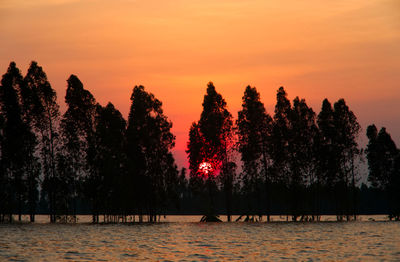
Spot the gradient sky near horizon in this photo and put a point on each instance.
(315, 49)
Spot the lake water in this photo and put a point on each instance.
(193, 241)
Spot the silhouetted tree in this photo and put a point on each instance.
(215, 125)
(107, 161)
(210, 139)
(12, 155)
(44, 116)
(93, 156)
(328, 151)
(302, 158)
(148, 148)
(327, 160)
(32, 164)
(196, 155)
(382, 156)
(281, 134)
(78, 140)
(372, 153)
(19, 142)
(348, 130)
(381, 152)
(254, 127)
(293, 142)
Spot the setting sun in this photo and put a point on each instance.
(205, 168)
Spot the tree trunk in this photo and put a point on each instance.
(267, 193)
(228, 206)
(268, 199)
(19, 208)
(354, 191)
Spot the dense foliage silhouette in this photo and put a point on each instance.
(90, 160)
(384, 167)
(210, 142)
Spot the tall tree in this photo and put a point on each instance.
(383, 158)
(348, 130)
(196, 155)
(78, 138)
(254, 127)
(19, 142)
(327, 162)
(107, 161)
(210, 139)
(280, 138)
(381, 152)
(148, 147)
(44, 116)
(215, 126)
(327, 150)
(372, 153)
(301, 154)
(293, 143)
(12, 156)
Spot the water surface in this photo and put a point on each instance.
(189, 241)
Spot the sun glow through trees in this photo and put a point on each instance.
(206, 168)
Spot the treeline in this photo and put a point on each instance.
(90, 154)
(294, 162)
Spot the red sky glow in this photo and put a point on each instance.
(315, 49)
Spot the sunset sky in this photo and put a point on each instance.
(315, 49)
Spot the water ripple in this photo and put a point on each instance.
(199, 241)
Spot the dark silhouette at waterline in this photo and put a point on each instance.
(90, 160)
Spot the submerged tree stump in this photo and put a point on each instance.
(210, 218)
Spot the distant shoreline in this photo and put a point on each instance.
(87, 219)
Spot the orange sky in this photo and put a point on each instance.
(316, 49)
